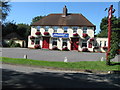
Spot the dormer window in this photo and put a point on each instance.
(38, 28)
(75, 29)
(46, 28)
(84, 29)
(55, 28)
(65, 28)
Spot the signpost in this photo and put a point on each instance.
(110, 11)
(62, 35)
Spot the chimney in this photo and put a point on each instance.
(65, 11)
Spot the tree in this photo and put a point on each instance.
(115, 34)
(37, 18)
(4, 9)
(23, 30)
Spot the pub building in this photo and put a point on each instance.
(65, 31)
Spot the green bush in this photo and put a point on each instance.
(15, 45)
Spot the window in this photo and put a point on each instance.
(84, 44)
(46, 28)
(64, 42)
(105, 43)
(74, 29)
(38, 28)
(65, 29)
(37, 41)
(54, 42)
(55, 28)
(84, 29)
(100, 43)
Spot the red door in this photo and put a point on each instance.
(74, 44)
(45, 42)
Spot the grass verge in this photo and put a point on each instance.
(82, 65)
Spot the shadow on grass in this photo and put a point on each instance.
(43, 80)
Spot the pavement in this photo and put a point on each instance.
(52, 55)
(17, 76)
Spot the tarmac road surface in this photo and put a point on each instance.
(17, 76)
(52, 55)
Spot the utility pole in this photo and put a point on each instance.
(110, 11)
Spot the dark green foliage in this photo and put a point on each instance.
(115, 34)
(5, 9)
(35, 19)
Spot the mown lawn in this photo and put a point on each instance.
(82, 65)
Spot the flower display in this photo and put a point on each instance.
(54, 47)
(75, 34)
(38, 33)
(85, 35)
(37, 46)
(46, 33)
(32, 37)
(85, 49)
(65, 48)
(105, 47)
(91, 39)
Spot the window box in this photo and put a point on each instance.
(32, 37)
(37, 46)
(91, 39)
(54, 47)
(65, 48)
(75, 34)
(85, 49)
(38, 33)
(105, 47)
(46, 33)
(85, 35)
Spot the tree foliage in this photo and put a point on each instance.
(115, 34)
(4, 9)
(37, 18)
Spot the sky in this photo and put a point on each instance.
(24, 12)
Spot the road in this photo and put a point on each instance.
(50, 55)
(40, 78)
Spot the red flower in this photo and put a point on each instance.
(32, 37)
(38, 33)
(85, 35)
(46, 33)
(37, 46)
(55, 48)
(84, 50)
(64, 48)
(75, 34)
(105, 47)
(92, 39)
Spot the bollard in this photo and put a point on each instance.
(65, 59)
(25, 56)
(102, 59)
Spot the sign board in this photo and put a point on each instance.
(62, 35)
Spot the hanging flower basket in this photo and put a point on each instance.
(91, 39)
(96, 47)
(75, 34)
(46, 33)
(32, 37)
(105, 47)
(77, 42)
(37, 33)
(37, 46)
(85, 49)
(85, 35)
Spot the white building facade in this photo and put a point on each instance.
(65, 32)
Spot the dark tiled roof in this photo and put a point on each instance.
(59, 20)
